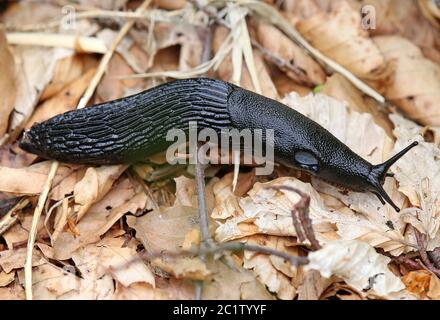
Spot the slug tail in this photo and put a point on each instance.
(380, 172)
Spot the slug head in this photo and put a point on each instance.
(344, 168)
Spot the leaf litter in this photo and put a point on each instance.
(119, 232)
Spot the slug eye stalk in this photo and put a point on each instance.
(380, 172)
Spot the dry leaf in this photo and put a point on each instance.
(417, 282)
(12, 293)
(64, 101)
(30, 180)
(15, 259)
(94, 186)
(225, 70)
(7, 84)
(100, 219)
(358, 264)
(338, 87)
(6, 278)
(339, 35)
(418, 174)
(313, 286)
(34, 69)
(51, 282)
(170, 4)
(308, 72)
(122, 264)
(277, 274)
(233, 283)
(415, 85)
(139, 291)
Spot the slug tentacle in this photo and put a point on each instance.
(379, 172)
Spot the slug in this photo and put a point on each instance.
(129, 129)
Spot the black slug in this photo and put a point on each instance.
(129, 129)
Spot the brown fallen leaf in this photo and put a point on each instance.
(340, 88)
(418, 176)
(12, 293)
(34, 70)
(7, 84)
(434, 288)
(415, 83)
(417, 282)
(340, 36)
(51, 282)
(358, 264)
(308, 72)
(64, 101)
(15, 259)
(94, 186)
(139, 291)
(233, 283)
(66, 70)
(170, 4)
(406, 19)
(122, 264)
(278, 275)
(313, 285)
(6, 278)
(30, 180)
(99, 220)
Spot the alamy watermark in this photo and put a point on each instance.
(68, 21)
(250, 147)
(368, 17)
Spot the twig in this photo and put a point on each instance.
(238, 246)
(206, 240)
(34, 227)
(78, 43)
(10, 218)
(92, 14)
(233, 246)
(424, 255)
(301, 208)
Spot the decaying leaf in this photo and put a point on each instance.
(358, 264)
(122, 200)
(34, 69)
(418, 174)
(418, 99)
(307, 71)
(64, 101)
(30, 180)
(123, 264)
(232, 283)
(7, 84)
(340, 36)
(15, 258)
(94, 185)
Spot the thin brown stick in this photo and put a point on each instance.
(233, 246)
(301, 208)
(282, 64)
(33, 232)
(206, 240)
(424, 255)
